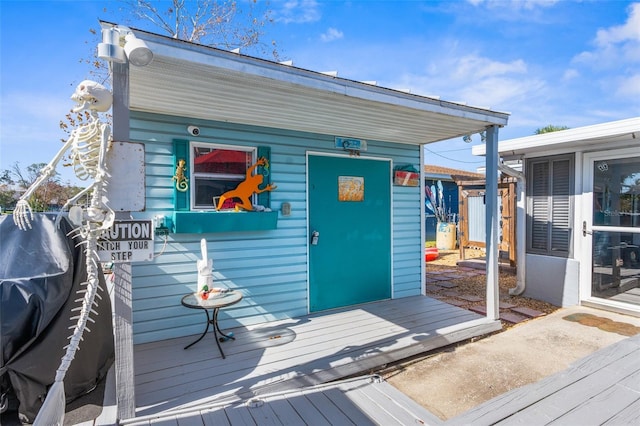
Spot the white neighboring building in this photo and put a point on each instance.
(580, 218)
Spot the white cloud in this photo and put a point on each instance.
(629, 87)
(616, 51)
(297, 11)
(476, 80)
(521, 4)
(331, 34)
(570, 74)
(478, 67)
(628, 32)
(615, 44)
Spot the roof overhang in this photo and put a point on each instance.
(187, 79)
(578, 139)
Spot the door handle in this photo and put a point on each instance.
(315, 235)
(584, 229)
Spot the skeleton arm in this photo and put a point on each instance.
(23, 215)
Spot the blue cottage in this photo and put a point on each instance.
(337, 230)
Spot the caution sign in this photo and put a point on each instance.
(127, 241)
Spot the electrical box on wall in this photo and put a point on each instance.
(161, 224)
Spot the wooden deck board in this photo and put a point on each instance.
(250, 342)
(214, 417)
(602, 388)
(381, 406)
(295, 353)
(346, 406)
(362, 401)
(334, 413)
(594, 390)
(629, 416)
(285, 412)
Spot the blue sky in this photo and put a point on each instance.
(568, 63)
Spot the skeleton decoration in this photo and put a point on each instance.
(88, 145)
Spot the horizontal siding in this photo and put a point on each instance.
(268, 267)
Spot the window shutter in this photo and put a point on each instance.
(264, 199)
(181, 151)
(560, 213)
(539, 181)
(550, 187)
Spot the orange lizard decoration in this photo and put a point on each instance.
(247, 187)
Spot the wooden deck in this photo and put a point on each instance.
(296, 353)
(600, 389)
(361, 401)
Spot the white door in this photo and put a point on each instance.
(611, 229)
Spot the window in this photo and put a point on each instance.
(216, 169)
(549, 205)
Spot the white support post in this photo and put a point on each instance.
(423, 231)
(125, 385)
(492, 223)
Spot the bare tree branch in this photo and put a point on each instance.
(216, 23)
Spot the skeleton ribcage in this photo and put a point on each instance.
(85, 152)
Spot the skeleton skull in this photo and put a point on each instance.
(93, 96)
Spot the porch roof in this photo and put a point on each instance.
(197, 81)
(571, 139)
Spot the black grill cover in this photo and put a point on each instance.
(41, 270)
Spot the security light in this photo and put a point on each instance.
(110, 49)
(113, 41)
(137, 51)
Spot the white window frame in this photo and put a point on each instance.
(193, 176)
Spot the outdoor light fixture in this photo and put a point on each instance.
(119, 43)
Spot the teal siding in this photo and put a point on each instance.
(269, 267)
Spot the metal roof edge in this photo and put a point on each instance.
(552, 139)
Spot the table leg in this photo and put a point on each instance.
(224, 337)
(204, 333)
(216, 329)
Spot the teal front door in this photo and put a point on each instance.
(349, 231)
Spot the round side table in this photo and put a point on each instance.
(215, 303)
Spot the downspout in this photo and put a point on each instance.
(520, 229)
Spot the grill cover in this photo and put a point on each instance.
(41, 271)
